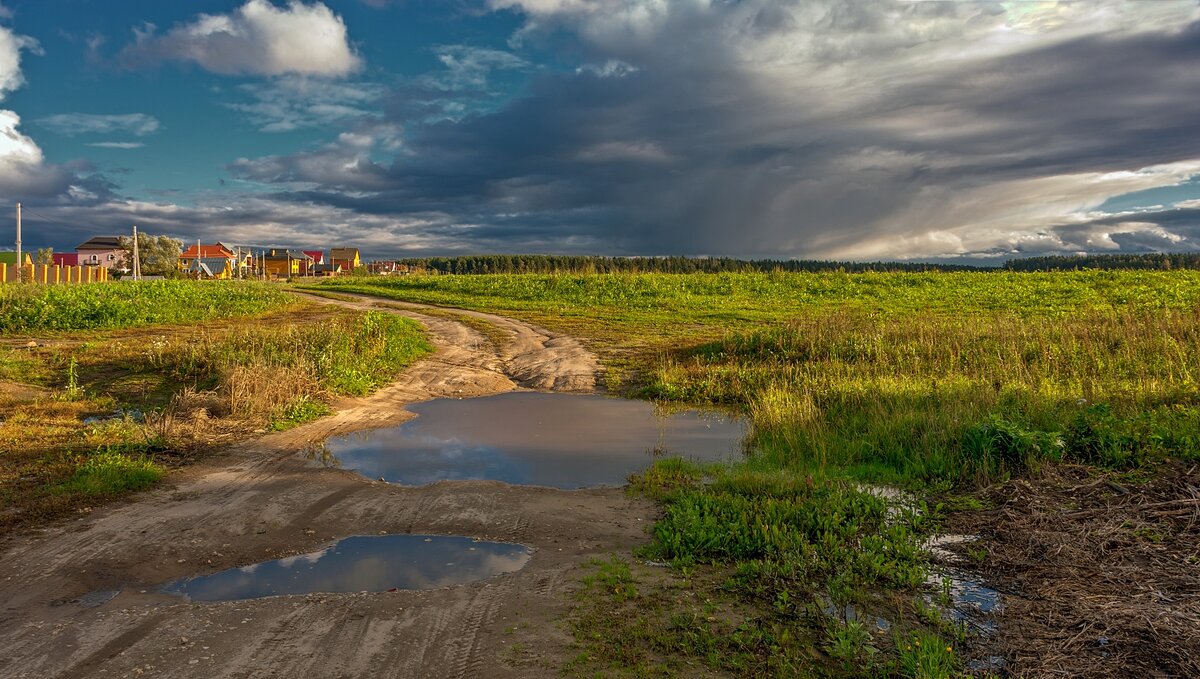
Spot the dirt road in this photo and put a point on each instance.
(262, 500)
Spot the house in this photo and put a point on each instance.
(105, 251)
(382, 268)
(207, 251)
(217, 259)
(347, 257)
(210, 267)
(65, 259)
(281, 262)
(317, 257)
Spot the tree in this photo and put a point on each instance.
(159, 255)
(44, 256)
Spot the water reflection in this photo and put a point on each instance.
(559, 440)
(362, 564)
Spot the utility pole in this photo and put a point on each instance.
(137, 261)
(19, 267)
(18, 244)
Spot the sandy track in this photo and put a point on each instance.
(261, 500)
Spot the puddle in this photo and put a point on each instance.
(971, 602)
(851, 613)
(97, 598)
(362, 564)
(115, 416)
(559, 440)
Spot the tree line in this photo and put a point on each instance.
(578, 264)
(581, 264)
(1160, 261)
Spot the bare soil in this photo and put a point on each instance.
(263, 500)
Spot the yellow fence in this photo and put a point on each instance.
(52, 274)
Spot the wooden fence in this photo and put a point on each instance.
(53, 274)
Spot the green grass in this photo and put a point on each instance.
(298, 411)
(109, 473)
(32, 308)
(718, 299)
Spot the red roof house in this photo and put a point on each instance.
(307, 267)
(213, 251)
(65, 259)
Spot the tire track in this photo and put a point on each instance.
(112, 649)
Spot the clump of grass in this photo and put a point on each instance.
(925, 656)
(791, 538)
(110, 473)
(666, 477)
(298, 411)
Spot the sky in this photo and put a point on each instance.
(967, 131)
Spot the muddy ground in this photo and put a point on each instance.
(263, 500)
(1099, 576)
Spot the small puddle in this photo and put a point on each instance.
(362, 564)
(97, 598)
(971, 603)
(558, 440)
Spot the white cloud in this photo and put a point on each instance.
(72, 124)
(1014, 216)
(118, 144)
(469, 67)
(613, 68)
(294, 102)
(257, 38)
(11, 45)
(22, 165)
(347, 161)
(16, 149)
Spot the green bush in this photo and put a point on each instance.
(997, 447)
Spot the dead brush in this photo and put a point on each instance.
(254, 391)
(162, 424)
(195, 405)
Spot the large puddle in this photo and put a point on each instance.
(362, 564)
(558, 440)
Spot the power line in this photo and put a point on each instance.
(44, 218)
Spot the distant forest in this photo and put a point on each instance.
(479, 264)
(1157, 261)
(484, 264)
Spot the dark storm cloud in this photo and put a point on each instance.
(781, 128)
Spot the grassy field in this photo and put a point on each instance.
(90, 415)
(907, 378)
(940, 383)
(32, 308)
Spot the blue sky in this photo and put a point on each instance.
(755, 128)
